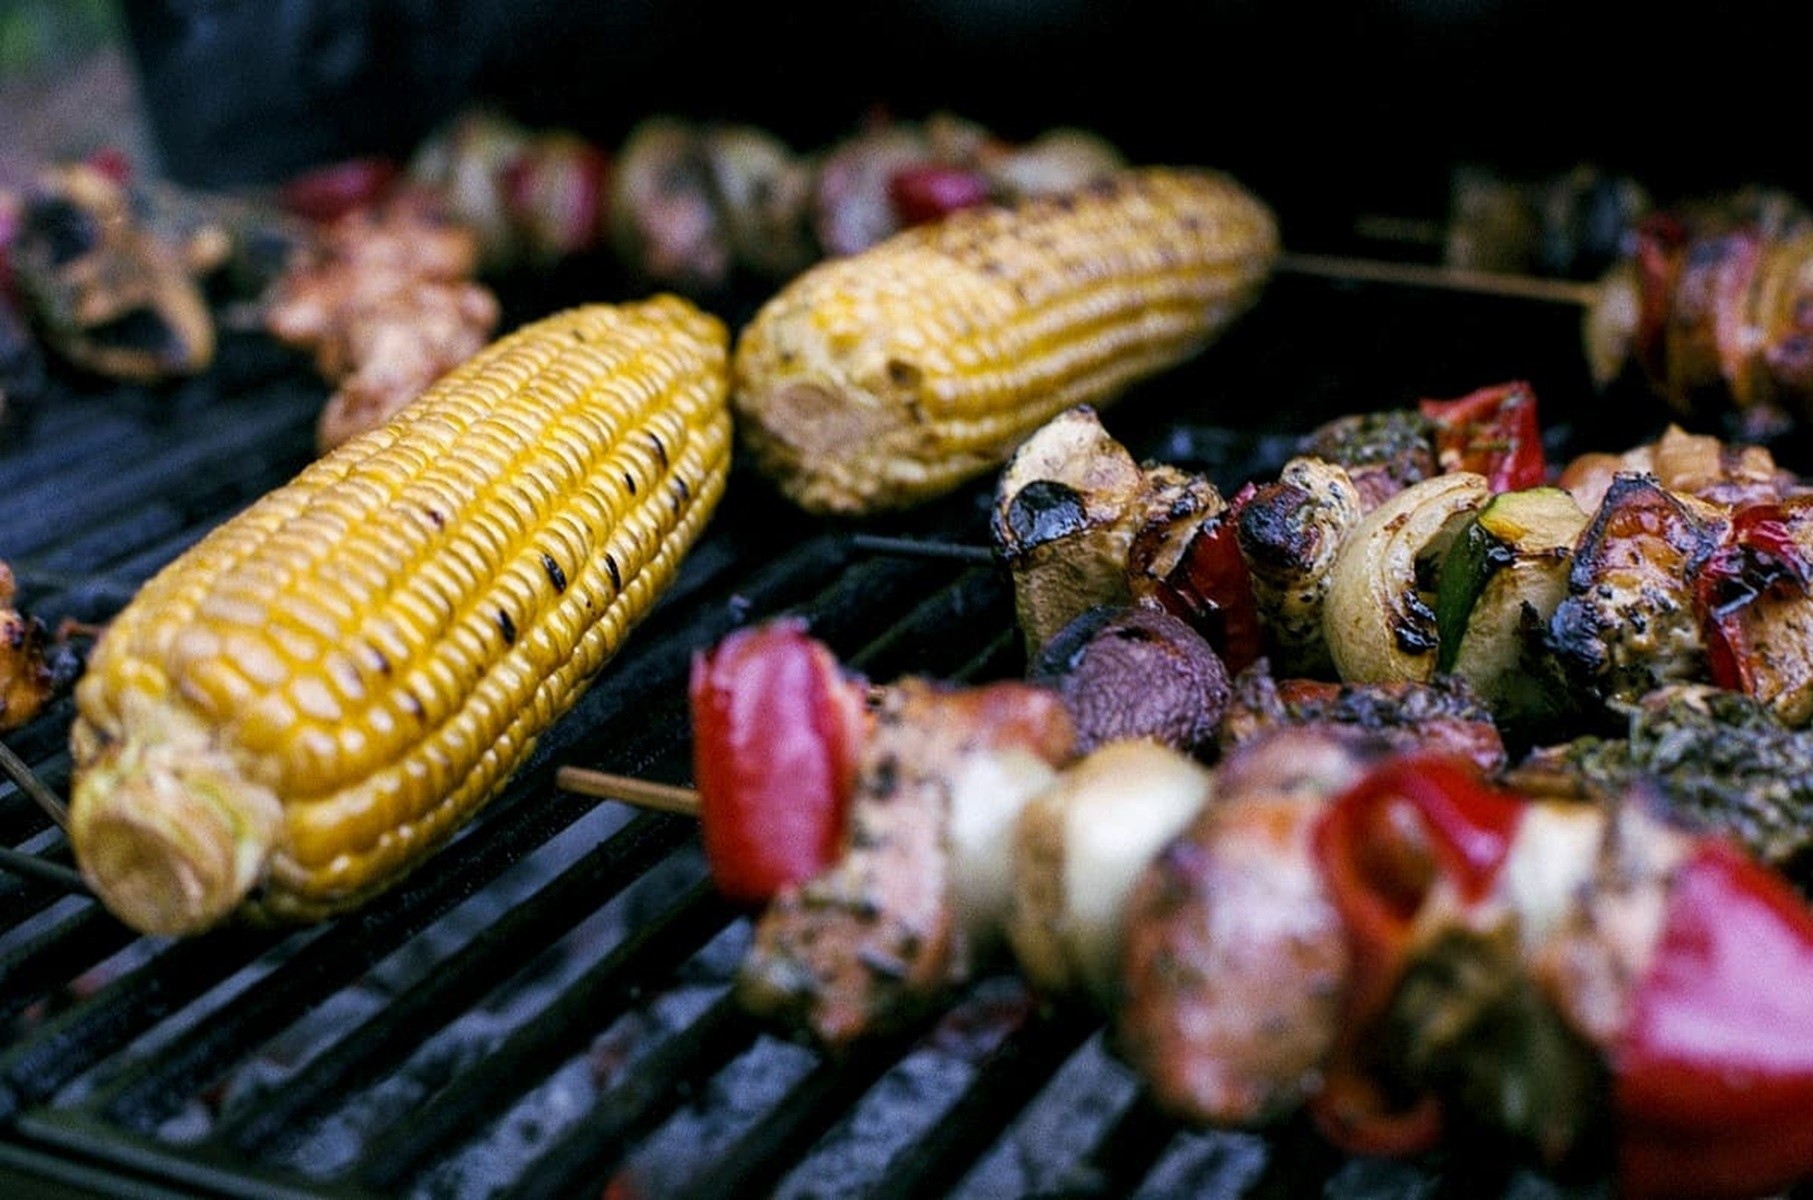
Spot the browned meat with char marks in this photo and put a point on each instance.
(878, 938)
(1443, 714)
(26, 679)
(1724, 473)
(1629, 622)
(1236, 960)
(386, 303)
(1383, 452)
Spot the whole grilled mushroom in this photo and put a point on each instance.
(1136, 673)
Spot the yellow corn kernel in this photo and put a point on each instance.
(326, 687)
(890, 376)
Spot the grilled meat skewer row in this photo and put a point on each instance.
(1452, 946)
(1329, 924)
(1682, 560)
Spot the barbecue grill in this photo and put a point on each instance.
(544, 1008)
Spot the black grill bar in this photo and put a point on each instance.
(648, 955)
(990, 1054)
(149, 1093)
(628, 1108)
(33, 969)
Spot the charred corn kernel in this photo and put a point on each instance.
(327, 686)
(890, 376)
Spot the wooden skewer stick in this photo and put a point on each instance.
(32, 786)
(583, 781)
(1453, 279)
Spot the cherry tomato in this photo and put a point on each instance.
(930, 191)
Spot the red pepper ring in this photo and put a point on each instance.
(1713, 1076)
(777, 733)
(1381, 846)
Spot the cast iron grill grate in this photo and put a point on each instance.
(543, 1011)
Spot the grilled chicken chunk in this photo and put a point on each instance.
(386, 303)
(1290, 533)
(1629, 623)
(28, 678)
(925, 878)
(1235, 957)
(1723, 473)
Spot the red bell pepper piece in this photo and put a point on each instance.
(1714, 1073)
(931, 190)
(1382, 847)
(1759, 554)
(1493, 432)
(777, 731)
(329, 192)
(1212, 590)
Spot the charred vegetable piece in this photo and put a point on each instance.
(1492, 432)
(110, 296)
(1500, 584)
(1715, 759)
(1757, 614)
(777, 731)
(1645, 940)
(1378, 618)
(888, 377)
(320, 692)
(1062, 522)
(1188, 562)
(1079, 847)
(1136, 673)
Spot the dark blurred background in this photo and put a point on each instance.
(1327, 109)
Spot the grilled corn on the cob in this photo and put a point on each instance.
(890, 376)
(327, 686)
